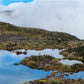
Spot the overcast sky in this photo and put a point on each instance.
(53, 15)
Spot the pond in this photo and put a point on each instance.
(12, 74)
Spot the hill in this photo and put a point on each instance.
(13, 37)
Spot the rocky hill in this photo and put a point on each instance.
(13, 37)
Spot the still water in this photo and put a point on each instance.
(76, 76)
(12, 74)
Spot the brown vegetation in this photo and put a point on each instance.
(50, 63)
(12, 37)
(76, 53)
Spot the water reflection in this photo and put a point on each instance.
(70, 62)
(51, 52)
(75, 76)
(11, 74)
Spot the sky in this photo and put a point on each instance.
(53, 15)
(7, 2)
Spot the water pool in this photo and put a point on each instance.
(11, 74)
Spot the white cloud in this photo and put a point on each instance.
(54, 15)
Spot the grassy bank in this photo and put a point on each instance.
(47, 63)
(57, 81)
(76, 53)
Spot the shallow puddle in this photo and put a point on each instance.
(51, 52)
(70, 62)
(76, 76)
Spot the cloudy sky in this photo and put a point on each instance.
(53, 15)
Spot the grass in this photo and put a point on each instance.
(76, 53)
(42, 62)
(48, 63)
(13, 37)
(58, 81)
